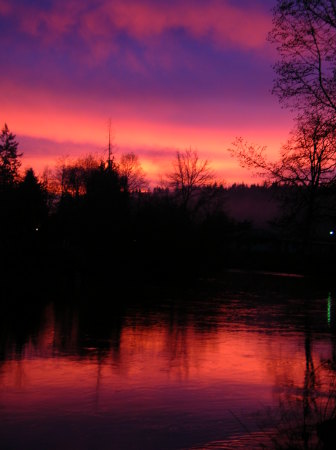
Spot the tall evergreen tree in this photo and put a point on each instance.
(9, 157)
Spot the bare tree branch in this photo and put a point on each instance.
(130, 168)
(189, 173)
(304, 32)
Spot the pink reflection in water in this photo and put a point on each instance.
(168, 385)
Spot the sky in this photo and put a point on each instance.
(168, 75)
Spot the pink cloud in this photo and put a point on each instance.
(50, 25)
(218, 20)
(5, 7)
(223, 22)
(71, 115)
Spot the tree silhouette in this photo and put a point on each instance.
(72, 177)
(130, 168)
(9, 157)
(33, 202)
(304, 32)
(188, 175)
(307, 163)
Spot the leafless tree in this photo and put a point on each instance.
(130, 168)
(308, 158)
(189, 174)
(304, 32)
(307, 161)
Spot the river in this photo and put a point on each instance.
(240, 362)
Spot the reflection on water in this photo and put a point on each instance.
(206, 368)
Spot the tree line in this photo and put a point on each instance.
(90, 211)
(87, 211)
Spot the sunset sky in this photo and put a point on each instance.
(169, 75)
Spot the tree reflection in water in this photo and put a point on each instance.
(307, 415)
(198, 370)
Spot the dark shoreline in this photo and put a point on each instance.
(66, 280)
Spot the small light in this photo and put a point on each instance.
(331, 233)
(36, 229)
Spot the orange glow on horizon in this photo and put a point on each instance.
(155, 144)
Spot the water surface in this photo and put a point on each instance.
(206, 366)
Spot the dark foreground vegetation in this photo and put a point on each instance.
(95, 219)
